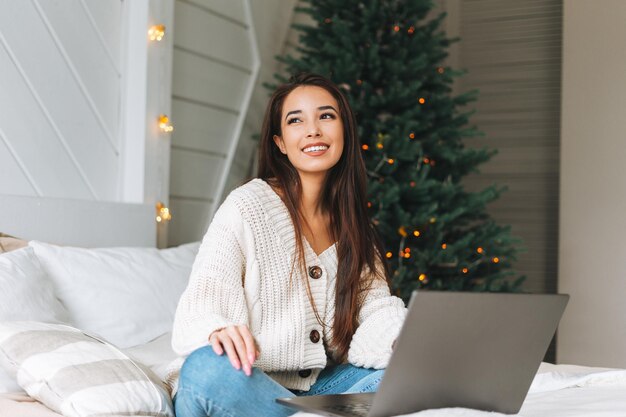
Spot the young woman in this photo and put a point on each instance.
(289, 294)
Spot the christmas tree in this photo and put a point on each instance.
(388, 57)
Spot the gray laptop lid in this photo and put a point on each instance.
(473, 350)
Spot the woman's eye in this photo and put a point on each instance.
(327, 116)
(293, 120)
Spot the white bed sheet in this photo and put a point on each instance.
(558, 391)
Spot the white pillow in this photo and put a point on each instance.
(26, 293)
(8, 382)
(78, 375)
(126, 295)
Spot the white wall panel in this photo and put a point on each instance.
(196, 175)
(64, 117)
(87, 59)
(14, 179)
(232, 9)
(201, 127)
(107, 17)
(190, 221)
(211, 36)
(28, 131)
(215, 64)
(208, 82)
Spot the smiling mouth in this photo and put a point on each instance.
(317, 148)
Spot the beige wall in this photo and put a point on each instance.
(592, 265)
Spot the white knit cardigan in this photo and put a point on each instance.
(241, 276)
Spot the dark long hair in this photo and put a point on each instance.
(344, 198)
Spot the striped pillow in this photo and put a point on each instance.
(78, 375)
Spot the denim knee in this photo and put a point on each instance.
(204, 371)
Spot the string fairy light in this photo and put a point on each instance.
(156, 32)
(164, 124)
(162, 213)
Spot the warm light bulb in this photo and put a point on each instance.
(422, 100)
(412, 135)
(390, 161)
(440, 70)
(365, 147)
(396, 28)
(411, 30)
(422, 277)
(389, 255)
(416, 233)
(444, 246)
(379, 145)
(156, 32)
(496, 260)
(480, 250)
(164, 124)
(163, 213)
(402, 231)
(465, 270)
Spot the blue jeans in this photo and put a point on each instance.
(210, 386)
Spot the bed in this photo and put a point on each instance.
(139, 286)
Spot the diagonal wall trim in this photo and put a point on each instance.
(19, 162)
(82, 88)
(97, 31)
(49, 118)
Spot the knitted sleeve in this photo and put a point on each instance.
(214, 297)
(380, 320)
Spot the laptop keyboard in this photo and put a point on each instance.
(358, 409)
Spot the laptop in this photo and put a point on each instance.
(456, 349)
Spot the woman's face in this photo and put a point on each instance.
(312, 130)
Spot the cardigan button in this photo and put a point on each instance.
(315, 272)
(314, 336)
(304, 373)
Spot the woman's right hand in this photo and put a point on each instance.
(239, 345)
